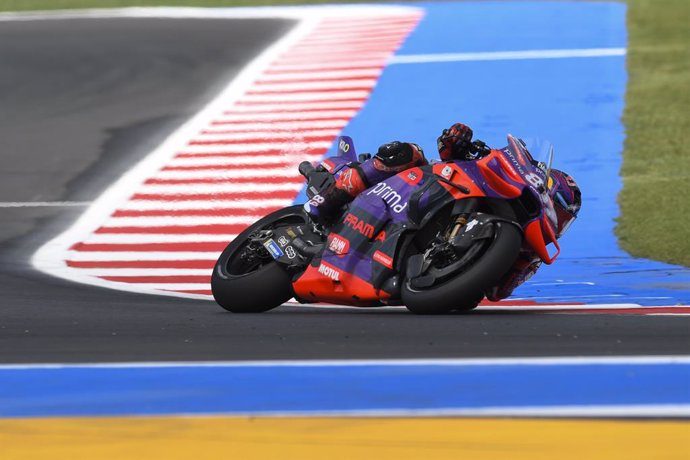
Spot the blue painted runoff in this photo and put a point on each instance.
(85, 391)
(574, 103)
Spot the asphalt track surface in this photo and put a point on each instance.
(80, 101)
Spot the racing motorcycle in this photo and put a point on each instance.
(434, 238)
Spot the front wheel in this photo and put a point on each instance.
(465, 289)
(245, 278)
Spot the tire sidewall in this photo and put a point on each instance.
(264, 289)
(464, 291)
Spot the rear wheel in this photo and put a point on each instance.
(245, 278)
(459, 282)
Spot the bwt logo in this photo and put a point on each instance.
(390, 196)
(330, 272)
(362, 227)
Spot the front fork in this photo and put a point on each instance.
(461, 210)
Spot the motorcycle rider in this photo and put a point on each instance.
(454, 144)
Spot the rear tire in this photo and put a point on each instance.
(261, 288)
(465, 291)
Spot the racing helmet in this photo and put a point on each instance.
(567, 199)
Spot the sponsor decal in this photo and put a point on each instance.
(447, 172)
(272, 247)
(345, 181)
(470, 225)
(338, 244)
(534, 180)
(509, 166)
(291, 232)
(328, 164)
(359, 225)
(315, 201)
(383, 259)
(282, 241)
(290, 252)
(412, 176)
(508, 153)
(343, 145)
(390, 196)
(381, 236)
(329, 271)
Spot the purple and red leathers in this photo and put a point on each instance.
(454, 145)
(353, 178)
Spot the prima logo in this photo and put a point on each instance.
(390, 196)
(359, 225)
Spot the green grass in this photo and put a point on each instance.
(655, 201)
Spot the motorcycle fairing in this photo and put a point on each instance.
(324, 282)
(346, 154)
(373, 227)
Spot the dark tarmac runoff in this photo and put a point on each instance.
(81, 100)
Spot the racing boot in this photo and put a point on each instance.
(524, 268)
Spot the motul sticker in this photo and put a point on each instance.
(383, 259)
(329, 271)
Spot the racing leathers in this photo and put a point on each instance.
(354, 178)
(454, 144)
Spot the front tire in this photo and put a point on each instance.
(258, 287)
(466, 290)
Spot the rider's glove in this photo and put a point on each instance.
(454, 143)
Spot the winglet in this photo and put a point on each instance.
(346, 148)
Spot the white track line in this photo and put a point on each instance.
(311, 96)
(237, 159)
(431, 362)
(146, 221)
(119, 238)
(303, 86)
(374, 73)
(236, 174)
(287, 147)
(507, 55)
(147, 272)
(149, 205)
(288, 116)
(253, 135)
(101, 256)
(553, 411)
(44, 204)
(295, 126)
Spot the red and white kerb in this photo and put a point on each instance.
(239, 164)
